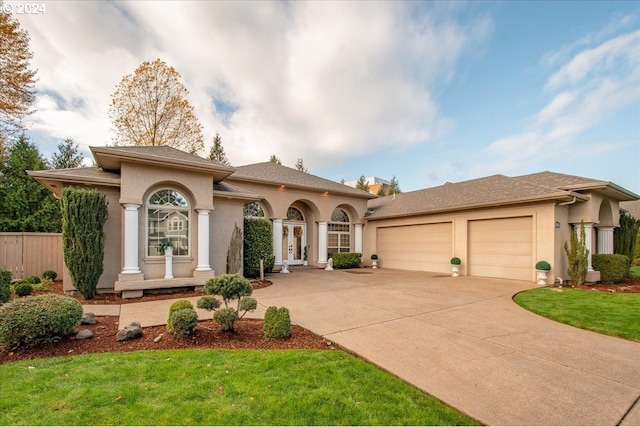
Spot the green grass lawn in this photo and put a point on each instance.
(213, 387)
(607, 313)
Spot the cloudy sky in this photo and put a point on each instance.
(427, 91)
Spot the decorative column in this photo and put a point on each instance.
(358, 238)
(131, 239)
(605, 240)
(322, 242)
(277, 240)
(588, 240)
(203, 240)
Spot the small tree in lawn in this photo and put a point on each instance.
(84, 213)
(577, 255)
(229, 287)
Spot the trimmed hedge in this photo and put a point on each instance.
(23, 288)
(258, 244)
(5, 286)
(38, 319)
(181, 304)
(613, 268)
(277, 323)
(346, 259)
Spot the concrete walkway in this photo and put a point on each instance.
(462, 340)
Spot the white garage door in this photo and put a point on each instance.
(501, 248)
(424, 247)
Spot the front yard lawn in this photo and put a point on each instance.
(213, 387)
(615, 314)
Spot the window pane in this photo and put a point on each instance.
(332, 240)
(294, 214)
(168, 198)
(253, 210)
(344, 241)
(339, 215)
(168, 224)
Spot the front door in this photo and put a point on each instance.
(293, 242)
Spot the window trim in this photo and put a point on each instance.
(170, 208)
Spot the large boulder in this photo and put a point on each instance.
(129, 332)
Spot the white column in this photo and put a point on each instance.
(588, 240)
(131, 239)
(277, 240)
(605, 240)
(322, 242)
(358, 238)
(203, 240)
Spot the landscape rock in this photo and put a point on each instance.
(131, 331)
(158, 338)
(84, 334)
(89, 319)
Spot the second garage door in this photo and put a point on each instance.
(501, 248)
(423, 247)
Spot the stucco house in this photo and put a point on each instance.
(499, 226)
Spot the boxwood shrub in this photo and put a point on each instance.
(183, 322)
(23, 288)
(5, 286)
(38, 319)
(277, 323)
(613, 268)
(181, 304)
(50, 274)
(346, 259)
(258, 244)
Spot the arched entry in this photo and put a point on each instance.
(294, 237)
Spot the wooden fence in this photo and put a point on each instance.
(29, 254)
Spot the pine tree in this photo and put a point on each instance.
(394, 187)
(381, 191)
(300, 166)
(217, 153)
(625, 236)
(26, 205)
(362, 183)
(68, 156)
(84, 215)
(275, 159)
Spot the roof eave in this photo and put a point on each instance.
(50, 181)
(299, 187)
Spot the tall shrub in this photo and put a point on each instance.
(626, 236)
(258, 244)
(234, 253)
(84, 213)
(577, 255)
(5, 283)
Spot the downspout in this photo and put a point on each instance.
(568, 203)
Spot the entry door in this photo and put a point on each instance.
(293, 242)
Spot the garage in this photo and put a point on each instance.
(501, 248)
(422, 247)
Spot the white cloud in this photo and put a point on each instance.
(317, 80)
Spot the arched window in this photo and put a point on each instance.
(294, 214)
(339, 232)
(168, 219)
(253, 210)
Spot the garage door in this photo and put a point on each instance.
(424, 247)
(501, 248)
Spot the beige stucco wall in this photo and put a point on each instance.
(544, 241)
(316, 206)
(226, 215)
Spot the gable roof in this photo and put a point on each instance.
(578, 183)
(496, 190)
(82, 176)
(275, 174)
(111, 158)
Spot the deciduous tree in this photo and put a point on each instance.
(17, 80)
(217, 153)
(68, 156)
(150, 107)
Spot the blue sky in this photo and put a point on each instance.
(427, 91)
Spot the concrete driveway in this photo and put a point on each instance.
(464, 341)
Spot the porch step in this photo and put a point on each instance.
(136, 288)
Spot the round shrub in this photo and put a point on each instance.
(23, 288)
(38, 319)
(183, 322)
(613, 268)
(277, 323)
(181, 304)
(226, 318)
(543, 265)
(33, 279)
(455, 261)
(43, 286)
(50, 274)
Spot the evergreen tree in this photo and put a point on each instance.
(625, 236)
(275, 159)
(362, 183)
(26, 205)
(300, 166)
(84, 215)
(394, 187)
(381, 191)
(577, 256)
(217, 153)
(67, 157)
